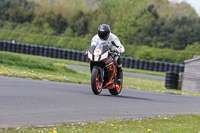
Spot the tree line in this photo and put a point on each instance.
(157, 24)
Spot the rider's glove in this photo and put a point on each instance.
(85, 53)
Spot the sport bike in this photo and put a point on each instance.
(103, 69)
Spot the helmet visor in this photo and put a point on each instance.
(103, 35)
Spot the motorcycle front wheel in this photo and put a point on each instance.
(96, 84)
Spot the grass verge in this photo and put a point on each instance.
(11, 57)
(35, 67)
(172, 124)
(42, 68)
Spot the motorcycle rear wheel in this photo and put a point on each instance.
(96, 84)
(116, 90)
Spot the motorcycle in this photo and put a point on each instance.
(103, 69)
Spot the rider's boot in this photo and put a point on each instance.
(119, 75)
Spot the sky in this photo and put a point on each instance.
(194, 3)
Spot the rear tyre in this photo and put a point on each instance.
(116, 90)
(96, 84)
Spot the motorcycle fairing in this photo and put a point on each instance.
(100, 59)
(109, 68)
(91, 49)
(105, 47)
(99, 51)
(90, 52)
(110, 73)
(111, 76)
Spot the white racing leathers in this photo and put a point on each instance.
(111, 38)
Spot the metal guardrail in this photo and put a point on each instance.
(79, 56)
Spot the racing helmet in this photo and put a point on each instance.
(104, 31)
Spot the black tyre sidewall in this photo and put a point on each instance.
(114, 91)
(93, 82)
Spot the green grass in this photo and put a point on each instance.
(21, 60)
(160, 124)
(35, 67)
(14, 58)
(42, 68)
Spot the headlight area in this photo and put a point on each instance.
(97, 52)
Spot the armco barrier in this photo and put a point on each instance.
(79, 56)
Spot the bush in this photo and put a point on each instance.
(194, 47)
(164, 55)
(80, 44)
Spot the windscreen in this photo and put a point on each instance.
(102, 45)
(99, 46)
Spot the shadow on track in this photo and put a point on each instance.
(126, 97)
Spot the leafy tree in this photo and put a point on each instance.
(18, 11)
(79, 23)
(128, 26)
(156, 44)
(56, 21)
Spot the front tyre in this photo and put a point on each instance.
(96, 84)
(116, 90)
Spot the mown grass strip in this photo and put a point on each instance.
(160, 124)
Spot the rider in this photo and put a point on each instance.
(104, 33)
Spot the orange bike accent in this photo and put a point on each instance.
(114, 72)
(110, 67)
(109, 85)
(118, 87)
(97, 81)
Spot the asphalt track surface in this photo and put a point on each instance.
(125, 73)
(26, 102)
